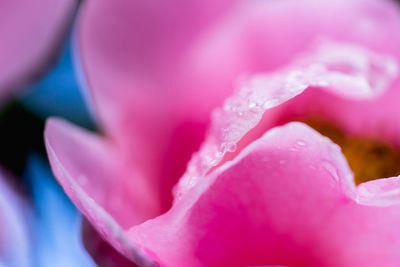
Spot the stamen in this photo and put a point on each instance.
(369, 158)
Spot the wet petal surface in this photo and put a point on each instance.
(346, 73)
(154, 88)
(289, 199)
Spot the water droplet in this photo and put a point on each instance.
(267, 104)
(191, 181)
(214, 162)
(219, 154)
(322, 83)
(252, 105)
(301, 143)
(331, 169)
(227, 107)
(231, 147)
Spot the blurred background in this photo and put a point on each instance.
(52, 89)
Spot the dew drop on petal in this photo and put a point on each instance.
(331, 169)
(301, 143)
(252, 105)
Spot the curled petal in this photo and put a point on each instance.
(340, 71)
(259, 208)
(286, 199)
(381, 192)
(87, 167)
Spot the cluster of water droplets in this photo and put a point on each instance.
(340, 68)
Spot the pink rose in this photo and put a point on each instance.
(30, 35)
(263, 189)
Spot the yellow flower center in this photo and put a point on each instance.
(368, 158)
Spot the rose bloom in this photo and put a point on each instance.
(289, 81)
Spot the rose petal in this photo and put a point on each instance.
(150, 87)
(264, 35)
(341, 71)
(261, 208)
(14, 229)
(89, 170)
(117, 67)
(29, 33)
(287, 199)
(381, 192)
(136, 80)
(155, 87)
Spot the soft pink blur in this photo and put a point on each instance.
(30, 33)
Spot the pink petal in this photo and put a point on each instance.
(154, 89)
(287, 199)
(156, 70)
(91, 173)
(137, 84)
(348, 74)
(264, 35)
(382, 192)
(14, 228)
(29, 33)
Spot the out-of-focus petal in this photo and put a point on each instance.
(288, 198)
(15, 223)
(58, 223)
(30, 31)
(135, 80)
(147, 66)
(92, 175)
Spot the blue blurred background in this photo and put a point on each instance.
(56, 227)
